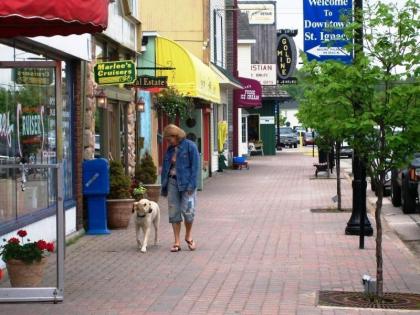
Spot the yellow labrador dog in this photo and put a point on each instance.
(147, 213)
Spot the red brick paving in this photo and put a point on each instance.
(260, 251)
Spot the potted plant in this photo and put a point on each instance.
(174, 104)
(25, 261)
(146, 174)
(119, 201)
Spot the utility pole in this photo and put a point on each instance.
(235, 123)
(359, 223)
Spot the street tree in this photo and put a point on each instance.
(389, 120)
(383, 88)
(325, 105)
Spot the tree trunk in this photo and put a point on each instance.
(337, 165)
(328, 164)
(379, 259)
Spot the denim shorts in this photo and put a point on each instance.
(178, 204)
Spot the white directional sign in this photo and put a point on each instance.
(324, 37)
(319, 51)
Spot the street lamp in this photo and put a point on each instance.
(101, 99)
(358, 223)
(140, 105)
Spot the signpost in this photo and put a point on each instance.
(115, 72)
(324, 38)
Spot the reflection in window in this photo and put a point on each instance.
(28, 136)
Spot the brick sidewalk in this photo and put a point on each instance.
(260, 251)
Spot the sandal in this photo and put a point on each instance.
(191, 244)
(175, 248)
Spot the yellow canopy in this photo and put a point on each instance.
(191, 76)
(222, 134)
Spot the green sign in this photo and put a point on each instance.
(115, 72)
(33, 76)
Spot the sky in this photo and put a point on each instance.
(290, 16)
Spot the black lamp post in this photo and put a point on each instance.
(359, 223)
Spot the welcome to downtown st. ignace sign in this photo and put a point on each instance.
(324, 37)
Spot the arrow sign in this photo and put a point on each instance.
(324, 36)
(319, 51)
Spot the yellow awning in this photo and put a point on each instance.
(191, 76)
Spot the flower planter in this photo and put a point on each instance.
(153, 192)
(119, 213)
(22, 274)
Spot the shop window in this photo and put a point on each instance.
(28, 136)
(243, 129)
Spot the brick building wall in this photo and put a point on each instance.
(78, 141)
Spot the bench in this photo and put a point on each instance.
(320, 167)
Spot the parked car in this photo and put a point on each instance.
(346, 150)
(387, 185)
(405, 186)
(288, 137)
(309, 139)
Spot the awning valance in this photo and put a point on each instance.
(52, 17)
(250, 96)
(191, 76)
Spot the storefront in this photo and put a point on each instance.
(246, 99)
(192, 78)
(37, 126)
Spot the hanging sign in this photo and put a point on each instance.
(33, 76)
(286, 59)
(147, 81)
(323, 27)
(115, 72)
(259, 13)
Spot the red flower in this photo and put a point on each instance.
(41, 244)
(22, 233)
(1, 273)
(14, 240)
(50, 247)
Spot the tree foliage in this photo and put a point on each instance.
(373, 102)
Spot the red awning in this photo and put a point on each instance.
(52, 17)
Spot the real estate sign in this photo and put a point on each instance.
(323, 27)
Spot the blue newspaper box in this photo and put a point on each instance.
(95, 189)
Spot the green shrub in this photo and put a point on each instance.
(119, 186)
(146, 172)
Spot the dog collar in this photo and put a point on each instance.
(142, 216)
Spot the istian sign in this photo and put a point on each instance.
(286, 59)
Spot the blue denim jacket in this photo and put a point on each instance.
(187, 166)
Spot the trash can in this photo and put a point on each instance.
(322, 155)
(95, 189)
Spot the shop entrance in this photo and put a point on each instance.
(111, 138)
